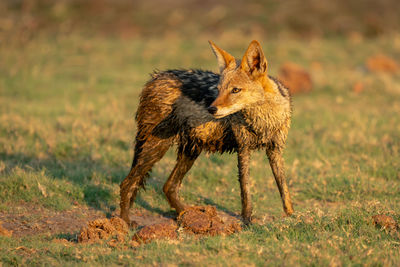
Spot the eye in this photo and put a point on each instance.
(236, 90)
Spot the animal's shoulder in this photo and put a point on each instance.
(199, 86)
(194, 75)
(191, 77)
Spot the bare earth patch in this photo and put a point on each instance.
(5, 232)
(30, 220)
(93, 227)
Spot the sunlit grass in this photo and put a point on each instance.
(67, 127)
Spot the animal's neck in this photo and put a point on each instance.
(268, 115)
(261, 118)
(268, 85)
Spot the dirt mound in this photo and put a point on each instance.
(358, 87)
(197, 220)
(385, 222)
(102, 229)
(294, 77)
(5, 232)
(164, 230)
(204, 220)
(382, 63)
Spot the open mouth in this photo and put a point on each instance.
(219, 116)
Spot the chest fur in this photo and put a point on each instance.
(228, 134)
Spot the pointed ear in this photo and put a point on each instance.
(254, 61)
(224, 58)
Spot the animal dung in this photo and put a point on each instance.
(103, 229)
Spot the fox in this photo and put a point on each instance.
(238, 110)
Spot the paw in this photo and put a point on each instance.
(131, 224)
(255, 220)
(125, 217)
(288, 210)
(247, 220)
(252, 220)
(288, 213)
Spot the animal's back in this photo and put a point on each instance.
(172, 89)
(175, 101)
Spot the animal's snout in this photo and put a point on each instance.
(212, 109)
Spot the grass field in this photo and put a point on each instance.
(67, 127)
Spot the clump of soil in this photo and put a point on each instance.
(294, 77)
(197, 220)
(358, 87)
(385, 222)
(5, 232)
(164, 230)
(204, 220)
(102, 229)
(382, 63)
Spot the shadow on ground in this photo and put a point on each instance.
(88, 174)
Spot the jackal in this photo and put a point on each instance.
(239, 110)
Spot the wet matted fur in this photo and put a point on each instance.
(239, 110)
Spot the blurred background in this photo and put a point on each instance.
(71, 72)
(165, 18)
(174, 33)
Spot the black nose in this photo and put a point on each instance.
(212, 110)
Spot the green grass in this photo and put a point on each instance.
(67, 109)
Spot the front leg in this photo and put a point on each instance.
(244, 177)
(277, 165)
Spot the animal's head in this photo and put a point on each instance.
(242, 83)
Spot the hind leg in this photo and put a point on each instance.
(147, 153)
(277, 165)
(171, 187)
